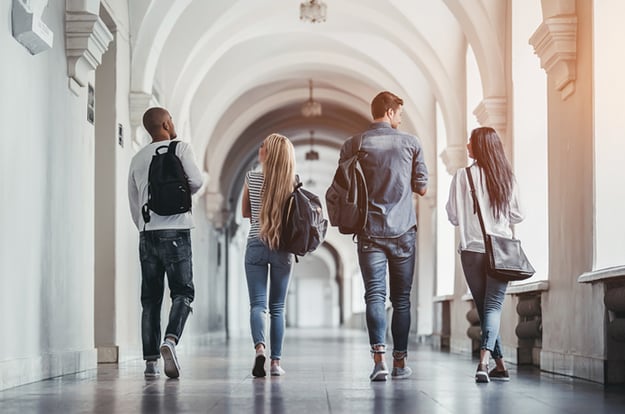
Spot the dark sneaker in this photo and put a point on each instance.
(481, 375)
(259, 365)
(168, 352)
(380, 372)
(151, 369)
(499, 375)
(401, 373)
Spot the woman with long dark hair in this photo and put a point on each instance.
(264, 195)
(496, 191)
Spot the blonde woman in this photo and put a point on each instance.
(264, 195)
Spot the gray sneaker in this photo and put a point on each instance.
(151, 369)
(168, 352)
(401, 373)
(380, 372)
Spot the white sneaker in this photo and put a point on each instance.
(168, 352)
(276, 370)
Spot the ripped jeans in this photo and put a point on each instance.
(164, 252)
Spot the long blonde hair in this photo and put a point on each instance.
(279, 178)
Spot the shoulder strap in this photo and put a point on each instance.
(172, 147)
(476, 204)
(356, 144)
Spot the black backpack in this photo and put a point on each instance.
(168, 184)
(303, 225)
(347, 197)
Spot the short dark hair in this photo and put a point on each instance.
(383, 102)
(153, 119)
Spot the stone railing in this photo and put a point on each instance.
(529, 326)
(612, 282)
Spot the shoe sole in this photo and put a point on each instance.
(379, 376)
(151, 375)
(259, 366)
(482, 377)
(171, 368)
(499, 379)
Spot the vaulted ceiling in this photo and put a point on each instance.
(232, 72)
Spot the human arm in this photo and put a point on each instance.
(516, 214)
(419, 179)
(133, 199)
(194, 175)
(452, 204)
(246, 207)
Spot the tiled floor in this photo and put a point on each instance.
(327, 372)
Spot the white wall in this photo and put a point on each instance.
(609, 66)
(46, 180)
(529, 125)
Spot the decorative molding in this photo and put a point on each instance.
(139, 102)
(86, 40)
(216, 212)
(454, 157)
(555, 43)
(493, 112)
(28, 28)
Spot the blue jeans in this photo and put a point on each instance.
(164, 251)
(374, 254)
(263, 266)
(488, 295)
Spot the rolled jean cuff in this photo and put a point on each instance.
(378, 351)
(171, 335)
(400, 354)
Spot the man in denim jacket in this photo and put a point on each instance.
(394, 168)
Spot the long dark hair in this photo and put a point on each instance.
(490, 157)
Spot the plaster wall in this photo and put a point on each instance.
(47, 213)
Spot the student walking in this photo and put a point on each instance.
(264, 195)
(496, 192)
(164, 245)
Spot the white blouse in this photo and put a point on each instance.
(460, 211)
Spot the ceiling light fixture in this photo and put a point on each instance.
(313, 11)
(312, 155)
(311, 108)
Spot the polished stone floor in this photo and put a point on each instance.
(327, 372)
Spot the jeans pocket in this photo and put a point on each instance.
(175, 248)
(255, 252)
(365, 246)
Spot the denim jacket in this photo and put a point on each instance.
(394, 168)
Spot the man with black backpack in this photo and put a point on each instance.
(393, 168)
(162, 177)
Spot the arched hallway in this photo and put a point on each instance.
(327, 372)
(77, 75)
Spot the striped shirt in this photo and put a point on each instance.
(254, 181)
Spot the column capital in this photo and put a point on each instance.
(139, 103)
(86, 40)
(493, 112)
(454, 157)
(555, 43)
(216, 211)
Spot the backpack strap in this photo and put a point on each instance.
(172, 147)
